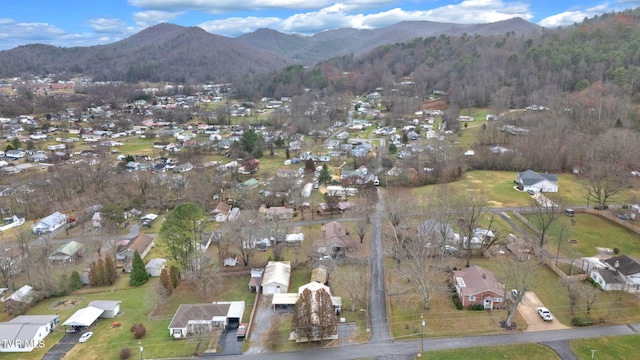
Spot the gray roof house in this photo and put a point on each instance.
(436, 232)
(66, 251)
(193, 318)
(50, 223)
(622, 273)
(531, 180)
(26, 332)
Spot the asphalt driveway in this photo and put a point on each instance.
(59, 350)
(528, 309)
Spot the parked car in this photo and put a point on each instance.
(531, 192)
(85, 337)
(545, 314)
(242, 331)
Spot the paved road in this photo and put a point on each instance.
(377, 312)
(59, 350)
(387, 349)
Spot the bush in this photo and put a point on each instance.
(593, 282)
(138, 330)
(616, 250)
(581, 321)
(476, 307)
(125, 353)
(456, 301)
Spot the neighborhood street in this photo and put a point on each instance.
(385, 349)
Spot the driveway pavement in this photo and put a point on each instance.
(59, 350)
(528, 309)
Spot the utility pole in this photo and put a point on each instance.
(422, 335)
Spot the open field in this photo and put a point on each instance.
(511, 352)
(606, 348)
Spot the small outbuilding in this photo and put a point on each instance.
(110, 308)
(154, 266)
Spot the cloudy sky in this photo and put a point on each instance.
(83, 23)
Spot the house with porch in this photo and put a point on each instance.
(531, 180)
(622, 273)
(334, 239)
(141, 243)
(478, 286)
(26, 332)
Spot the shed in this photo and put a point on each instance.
(154, 266)
(110, 308)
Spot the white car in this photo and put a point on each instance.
(85, 337)
(545, 314)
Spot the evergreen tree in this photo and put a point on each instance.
(393, 148)
(75, 282)
(138, 272)
(325, 175)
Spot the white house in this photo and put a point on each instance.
(531, 180)
(622, 273)
(276, 277)
(11, 222)
(50, 223)
(193, 318)
(26, 332)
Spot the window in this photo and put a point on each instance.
(497, 299)
(472, 298)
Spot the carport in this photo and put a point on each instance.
(84, 317)
(284, 301)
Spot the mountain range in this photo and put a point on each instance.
(168, 52)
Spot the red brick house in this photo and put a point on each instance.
(476, 285)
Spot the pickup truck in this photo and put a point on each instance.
(242, 331)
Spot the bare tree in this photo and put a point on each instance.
(545, 212)
(518, 275)
(327, 321)
(470, 209)
(590, 294)
(418, 263)
(573, 292)
(302, 319)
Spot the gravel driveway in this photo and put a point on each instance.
(528, 309)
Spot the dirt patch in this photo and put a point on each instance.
(528, 309)
(494, 203)
(66, 304)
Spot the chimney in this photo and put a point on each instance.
(616, 265)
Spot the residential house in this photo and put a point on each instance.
(26, 332)
(15, 154)
(276, 212)
(436, 232)
(477, 286)
(288, 173)
(50, 223)
(11, 222)
(294, 239)
(21, 297)
(531, 180)
(276, 277)
(334, 239)
(220, 213)
(141, 243)
(154, 266)
(197, 318)
(480, 238)
(622, 273)
(67, 251)
(182, 168)
(110, 308)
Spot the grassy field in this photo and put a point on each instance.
(511, 352)
(606, 348)
(591, 231)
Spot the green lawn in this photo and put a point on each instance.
(511, 352)
(591, 231)
(606, 348)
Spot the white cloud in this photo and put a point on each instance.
(145, 19)
(571, 17)
(238, 26)
(340, 15)
(221, 6)
(101, 25)
(30, 31)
